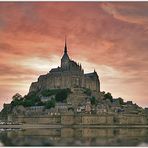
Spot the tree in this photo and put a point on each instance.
(17, 102)
(31, 99)
(47, 93)
(108, 96)
(87, 91)
(17, 96)
(49, 104)
(61, 95)
(121, 101)
(39, 103)
(28, 103)
(93, 100)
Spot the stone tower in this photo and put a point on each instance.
(65, 59)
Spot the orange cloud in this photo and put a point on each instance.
(128, 12)
(110, 37)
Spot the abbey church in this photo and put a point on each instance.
(68, 75)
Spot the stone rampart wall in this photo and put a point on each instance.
(38, 119)
(83, 119)
(96, 119)
(132, 119)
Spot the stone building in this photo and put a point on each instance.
(68, 75)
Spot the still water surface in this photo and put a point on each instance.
(75, 137)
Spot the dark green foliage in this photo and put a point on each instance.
(32, 96)
(61, 95)
(6, 110)
(29, 100)
(49, 104)
(93, 100)
(40, 103)
(28, 103)
(32, 99)
(51, 92)
(108, 96)
(121, 101)
(17, 102)
(87, 91)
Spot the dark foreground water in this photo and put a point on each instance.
(75, 137)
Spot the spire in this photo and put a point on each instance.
(80, 67)
(65, 48)
(65, 57)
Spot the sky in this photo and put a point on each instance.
(110, 37)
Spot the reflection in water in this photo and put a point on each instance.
(76, 136)
(1, 144)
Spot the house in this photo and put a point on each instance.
(146, 111)
(20, 109)
(101, 108)
(93, 109)
(52, 111)
(35, 109)
(61, 107)
(79, 109)
(88, 106)
(45, 99)
(129, 103)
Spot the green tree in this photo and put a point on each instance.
(17, 102)
(49, 104)
(47, 93)
(108, 96)
(121, 101)
(61, 95)
(40, 103)
(28, 102)
(93, 100)
(31, 99)
(87, 91)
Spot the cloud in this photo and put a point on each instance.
(129, 12)
(110, 37)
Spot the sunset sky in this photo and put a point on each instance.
(111, 38)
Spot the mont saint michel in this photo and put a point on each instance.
(67, 96)
(66, 102)
(86, 89)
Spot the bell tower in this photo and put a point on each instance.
(65, 59)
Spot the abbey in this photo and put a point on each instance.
(68, 75)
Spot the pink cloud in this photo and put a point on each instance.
(112, 35)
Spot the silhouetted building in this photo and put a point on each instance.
(68, 75)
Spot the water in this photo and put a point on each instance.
(75, 137)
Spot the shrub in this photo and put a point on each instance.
(61, 95)
(121, 101)
(50, 92)
(87, 91)
(93, 100)
(108, 96)
(49, 104)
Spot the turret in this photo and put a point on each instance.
(95, 73)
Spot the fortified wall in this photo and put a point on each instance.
(82, 119)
